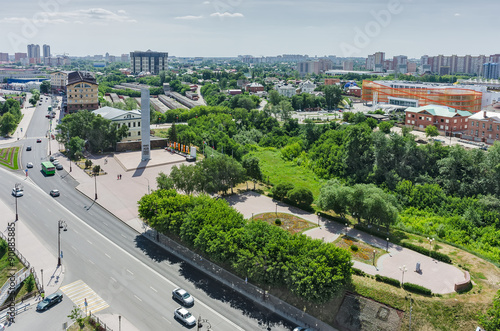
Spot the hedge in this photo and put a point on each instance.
(436, 255)
(417, 289)
(359, 272)
(388, 280)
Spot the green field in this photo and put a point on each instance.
(8, 157)
(280, 171)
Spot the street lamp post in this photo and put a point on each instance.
(17, 187)
(318, 219)
(41, 272)
(374, 253)
(60, 225)
(387, 249)
(69, 165)
(430, 244)
(403, 270)
(95, 181)
(276, 209)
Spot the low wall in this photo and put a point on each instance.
(252, 292)
(464, 284)
(136, 145)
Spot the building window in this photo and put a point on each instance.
(471, 132)
(455, 121)
(483, 133)
(497, 136)
(408, 121)
(447, 121)
(128, 124)
(138, 124)
(138, 133)
(476, 133)
(129, 134)
(483, 125)
(134, 124)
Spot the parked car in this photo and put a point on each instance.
(29, 165)
(55, 162)
(183, 315)
(59, 167)
(51, 158)
(39, 140)
(55, 193)
(28, 148)
(183, 297)
(17, 192)
(49, 301)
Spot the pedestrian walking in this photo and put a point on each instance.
(117, 176)
(120, 176)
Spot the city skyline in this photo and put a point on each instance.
(259, 28)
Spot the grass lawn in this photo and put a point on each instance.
(280, 171)
(360, 251)
(290, 223)
(8, 157)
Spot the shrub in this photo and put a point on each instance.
(436, 255)
(302, 197)
(277, 222)
(88, 164)
(281, 190)
(417, 289)
(359, 272)
(30, 283)
(388, 280)
(354, 248)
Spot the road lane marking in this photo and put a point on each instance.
(166, 320)
(91, 262)
(130, 272)
(75, 231)
(123, 235)
(107, 255)
(153, 289)
(137, 298)
(113, 279)
(89, 241)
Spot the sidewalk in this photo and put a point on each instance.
(33, 250)
(20, 132)
(436, 276)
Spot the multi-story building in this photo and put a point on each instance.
(125, 58)
(34, 53)
(448, 120)
(129, 118)
(148, 61)
(19, 56)
(4, 57)
(484, 127)
(411, 94)
(59, 81)
(332, 81)
(254, 88)
(370, 62)
(490, 70)
(81, 92)
(46, 51)
(286, 90)
(348, 65)
(314, 67)
(307, 86)
(375, 62)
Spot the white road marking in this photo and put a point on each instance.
(113, 279)
(153, 289)
(166, 320)
(137, 297)
(91, 262)
(107, 255)
(130, 272)
(89, 241)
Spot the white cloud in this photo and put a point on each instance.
(188, 17)
(206, 2)
(457, 14)
(91, 15)
(226, 14)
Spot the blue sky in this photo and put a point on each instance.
(256, 27)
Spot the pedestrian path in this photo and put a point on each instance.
(84, 297)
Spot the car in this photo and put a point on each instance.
(17, 192)
(55, 162)
(183, 315)
(54, 193)
(49, 301)
(39, 140)
(59, 167)
(29, 165)
(51, 159)
(301, 328)
(28, 148)
(183, 297)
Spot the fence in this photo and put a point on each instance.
(251, 291)
(94, 320)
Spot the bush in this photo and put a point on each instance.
(302, 197)
(436, 255)
(417, 289)
(277, 222)
(30, 283)
(359, 272)
(281, 190)
(388, 280)
(354, 248)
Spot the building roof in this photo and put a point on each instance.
(485, 115)
(81, 76)
(111, 113)
(438, 110)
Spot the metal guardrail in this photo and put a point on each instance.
(102, 326)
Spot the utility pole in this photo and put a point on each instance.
(60, 225)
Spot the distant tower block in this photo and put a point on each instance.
(145, 124)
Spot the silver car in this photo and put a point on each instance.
(183, 297)
(183, 315)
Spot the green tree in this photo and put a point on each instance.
(281, 190)
(88, 163)
(335, 196)
(252, 168)
(164, 182)
(333, 96)
(491, 320)
(75, 147)
(431, 131)
(302, 197)
(385, 127)
(274, 97)
(29, 283)
(7, 124)
(172, 133)
(45, 86)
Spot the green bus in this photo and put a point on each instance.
(48, 168)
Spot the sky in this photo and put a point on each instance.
(207, 28)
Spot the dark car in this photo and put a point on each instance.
(39, 140)
(183, 297)
(49, 301)
(28, 148)
(190, 158)
(59, 167)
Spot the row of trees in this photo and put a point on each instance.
(10, 116)
(263, 253)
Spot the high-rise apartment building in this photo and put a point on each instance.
(19, 56)
(148, 61)
(4, 57)
(46, 51)
(490, 70)
(34, 53)
(81, 91)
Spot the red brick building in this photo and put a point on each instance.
(445, 119)
(484, 127)
(254, 88)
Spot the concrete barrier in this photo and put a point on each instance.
(464, 284)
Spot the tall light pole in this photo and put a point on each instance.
(95, 182)
(374, 253)
(430, 244)
(41, 272)
(387, 249)
(403, 270)
(60, 225)
(276, 209)
(318, 218)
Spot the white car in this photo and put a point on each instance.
(17, 192)
(184, 316)
(29, 165)
(183, 296)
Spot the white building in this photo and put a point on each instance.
(130, 118)
(307, 86)
(286, 90)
